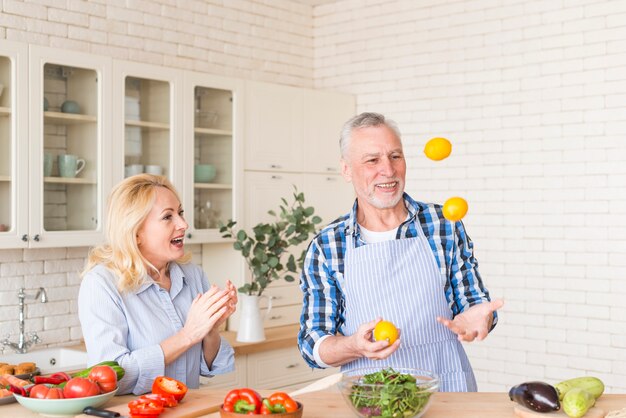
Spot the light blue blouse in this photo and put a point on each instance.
(128, 327)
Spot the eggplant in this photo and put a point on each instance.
(538, 396)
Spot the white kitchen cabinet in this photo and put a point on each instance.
(61, 208)
(147, 120)
(212, 159)
(324, 114)
(274, 127)
(294, 129)
(329, 194)
(13, 149)
(288, 369)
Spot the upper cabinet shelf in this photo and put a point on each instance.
(211, 132)
(60, 118)
(157, 126)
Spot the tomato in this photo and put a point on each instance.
(105, 377)
(168, 400)
(42, 391)
(144, 408)
(79, 387)
(164, 385)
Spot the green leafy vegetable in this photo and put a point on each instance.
(389, 394)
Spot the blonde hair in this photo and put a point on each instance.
(129, 204)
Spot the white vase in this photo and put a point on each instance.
(251, 320)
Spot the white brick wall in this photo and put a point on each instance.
(532, 96)
(531, 93)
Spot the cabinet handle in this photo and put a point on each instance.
(274, 166)
(189, 235)
(292, 366)
(36, 237)
(276, 177)
(25, 238)
(276, 316)
(331, 169)
(331, 179)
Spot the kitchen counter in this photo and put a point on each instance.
(278, 337)
(323, 404)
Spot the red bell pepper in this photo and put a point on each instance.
(242, 401)
(169, 401)
(145, 408)
(277, 403)
(54, 379)
(164, 385)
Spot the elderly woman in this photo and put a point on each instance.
(142, 304)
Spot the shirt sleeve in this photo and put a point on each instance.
(224, 361)
(467, 287)
(104, 331)
(321, 314)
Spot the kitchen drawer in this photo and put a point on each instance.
(282, 295)
(283, 315)
(282, 368)
(235, 379)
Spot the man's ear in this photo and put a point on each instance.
(346, 172)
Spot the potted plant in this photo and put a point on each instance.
(265, 250)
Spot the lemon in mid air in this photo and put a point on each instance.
(386, 330)
(437, 149)
(454, 209)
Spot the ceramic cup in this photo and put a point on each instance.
(154, 169)
(70, 106)
(47, 164)
(133, 169)
(203, 173)
(70, 165)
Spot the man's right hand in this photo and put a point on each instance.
(364, 345)
(338, 350)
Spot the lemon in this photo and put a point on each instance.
(454, 209)
(437, 149)
(386, 330)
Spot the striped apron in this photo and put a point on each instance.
(399, 280)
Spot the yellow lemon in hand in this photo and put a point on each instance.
(437, 149)
(385, 330)
(454, 209)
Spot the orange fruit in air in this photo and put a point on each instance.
(437, 149)
(386, 330)
(454, 209)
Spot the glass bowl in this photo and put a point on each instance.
(389, 392)
(63, 407)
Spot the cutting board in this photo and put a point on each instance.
(523, 412)
(194, 404)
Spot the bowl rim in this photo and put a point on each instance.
(426, 379)
(40, 400)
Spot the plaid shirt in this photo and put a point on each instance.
(324, 310)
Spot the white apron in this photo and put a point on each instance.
(399, 280)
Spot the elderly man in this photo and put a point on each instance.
(395, 258)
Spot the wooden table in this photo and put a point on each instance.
(329, 403)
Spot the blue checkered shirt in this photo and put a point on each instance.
(323, 310)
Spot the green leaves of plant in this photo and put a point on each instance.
(264, 248)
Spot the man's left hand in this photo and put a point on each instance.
(473, 323)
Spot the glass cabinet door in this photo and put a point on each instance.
(13, 153)
(147, 125)
(212, 159)
(67, 158)
(210, 118)
(70, 148)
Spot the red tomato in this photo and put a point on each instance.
(105, 377)
(42, 391)
(79, 387)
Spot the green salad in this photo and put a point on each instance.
(394, 395)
